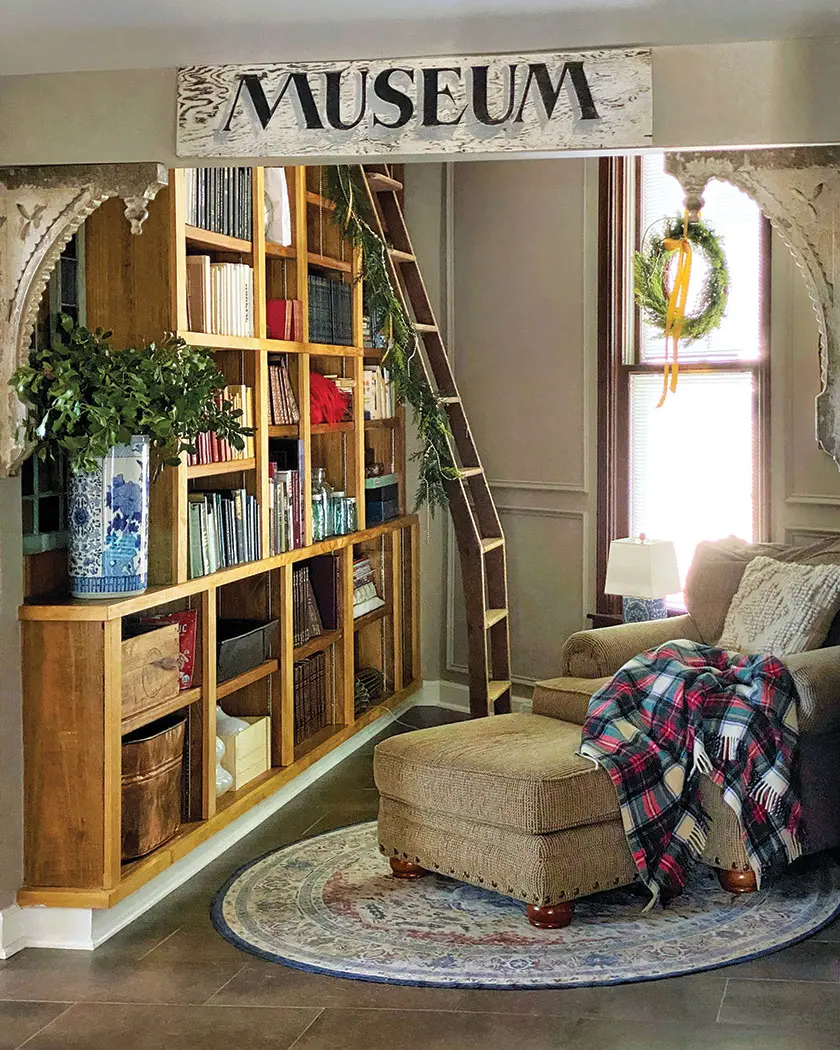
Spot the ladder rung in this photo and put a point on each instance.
(450, 400)
(425, 327)
(399, 256)
(492, 616)
(382, 183)
(496, 687)
(491, 544)
(470, 472)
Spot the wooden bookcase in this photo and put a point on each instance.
(72, 650)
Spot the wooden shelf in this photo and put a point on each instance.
(312, 743)
(371, 617)
(317, 645)
(332, 428)
(217, 242)
(165, 707)
(383, 424)
(222, 342)
(230, 466)
(62, 608)
(229, 807)
(283, 251)
(327, 262)
(240, 681)
(72, 649)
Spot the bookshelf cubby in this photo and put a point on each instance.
(72, 655)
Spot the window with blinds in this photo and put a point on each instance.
(692, 471)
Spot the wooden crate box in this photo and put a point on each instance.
(149, 670)
(247, 754)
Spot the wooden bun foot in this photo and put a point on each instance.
(404, 869)
(551, 917)
(737, 881)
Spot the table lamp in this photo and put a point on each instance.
(642, 571)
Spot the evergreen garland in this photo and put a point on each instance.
(343, 186)
(649, 272)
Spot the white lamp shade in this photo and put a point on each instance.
(642, 568)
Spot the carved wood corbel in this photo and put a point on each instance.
(40, 210)
(799, 191)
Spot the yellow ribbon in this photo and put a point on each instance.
(675, 314)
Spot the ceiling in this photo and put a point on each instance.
(62, 35)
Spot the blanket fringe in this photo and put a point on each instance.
(792, 845)
(728, 746)
(651, 904)
(701, 758)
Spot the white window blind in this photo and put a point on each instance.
(737, 220)
(691, 461)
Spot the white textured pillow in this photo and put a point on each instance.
(781, 608)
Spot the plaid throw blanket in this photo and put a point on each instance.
(683, 710)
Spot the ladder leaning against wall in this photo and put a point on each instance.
(481, 543)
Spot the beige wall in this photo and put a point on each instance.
(525, 359)
(785, 92)
(805, 485)
(11, 761)
(427, 216)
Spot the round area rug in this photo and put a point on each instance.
(329, 904)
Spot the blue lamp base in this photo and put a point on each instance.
(637, 609)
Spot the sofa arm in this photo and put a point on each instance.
(816, 675)
(600, 652)
(565, 698)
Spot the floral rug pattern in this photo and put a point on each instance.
(329, 904)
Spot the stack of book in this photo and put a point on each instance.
(282, 405)
(220, 297)
(366, 597)
(305, 614)
(379, 397)
(285, 470)
(330, 311)
(373, 337)
(224, 530)
(311, 696)
(220, 199)
(284, 319)
(213, 449)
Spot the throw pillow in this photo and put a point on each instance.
(781, 608)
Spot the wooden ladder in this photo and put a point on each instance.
(481, 543)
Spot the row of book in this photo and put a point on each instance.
(220, 297)
(306, 617)
(284, 319)
(224, 530)
(282, 404)
(366, 596)
(286, 510)
(212, 449)
(378, 394)
(330, 311)
(311, 696)
(285, 521)
(220, 200)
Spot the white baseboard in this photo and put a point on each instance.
(83, 929)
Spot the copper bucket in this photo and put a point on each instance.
(152, 777)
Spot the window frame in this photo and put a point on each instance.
(619, 339)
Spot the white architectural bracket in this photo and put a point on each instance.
(40, 210)
(799, 191)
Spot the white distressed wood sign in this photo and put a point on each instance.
(482, 104)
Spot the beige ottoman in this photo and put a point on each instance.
(503, 803)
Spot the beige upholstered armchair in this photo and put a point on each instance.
(589, 658)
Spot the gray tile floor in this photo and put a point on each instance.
(169, 982)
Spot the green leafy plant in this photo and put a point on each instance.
(343, 186)
(85, 395)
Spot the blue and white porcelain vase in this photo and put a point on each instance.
(108, 521)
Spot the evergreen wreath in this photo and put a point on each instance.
(650, 271)
(344, 187)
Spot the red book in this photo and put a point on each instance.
(275, 315)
